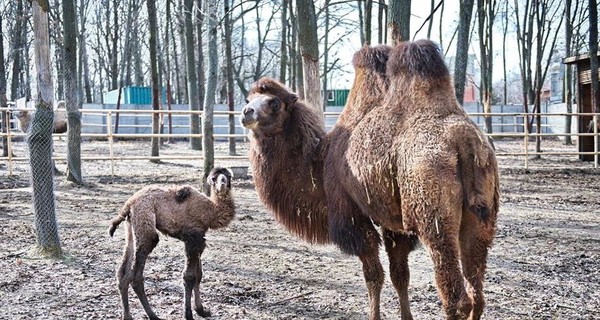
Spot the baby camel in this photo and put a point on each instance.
(180, 212)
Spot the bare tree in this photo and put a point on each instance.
(309, 49)
(71, 89)
(228, 26)
(151, 5)
(541, 21)
(211, 90)
(40, 139)
(18, 50)
(593, 7)
(568, 72)
(195, 142)
(398, 21)
(3, 100)
(462, 49)
(368, 19)
(283, 61)
(486, 13)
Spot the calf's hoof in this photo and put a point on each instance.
(204, 313)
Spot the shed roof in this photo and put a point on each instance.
(577, 58)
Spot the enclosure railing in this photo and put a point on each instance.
(517, 129)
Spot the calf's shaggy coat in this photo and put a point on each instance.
(181, 212)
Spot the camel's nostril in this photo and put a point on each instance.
(248, 111)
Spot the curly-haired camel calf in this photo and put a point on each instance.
(181, 212)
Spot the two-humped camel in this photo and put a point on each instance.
(404, 155)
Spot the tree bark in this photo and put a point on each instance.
(309, 49)
(593, 5)
(195, 142)
(398, 21)
(229, 70)
(71, 93)
(486, 15)
(283, 62)
(568, 73)
(3, 100)
(20, 39)
(152, 25)
(40, 140)
(325, 54)
(462, 49)
(211, 90)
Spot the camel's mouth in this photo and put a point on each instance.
(248, 121)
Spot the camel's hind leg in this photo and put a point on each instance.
(474, 244)
(442, 244)
(144, 246)
(398, 246)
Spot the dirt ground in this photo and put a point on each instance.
(545, 263)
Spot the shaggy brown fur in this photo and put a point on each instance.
(406, 157)
(352, 231)
(60, 124)
(284, 144)
(286, 158)
(180, 212)
(420, 166)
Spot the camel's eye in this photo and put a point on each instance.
(275, 104)
(247, 101)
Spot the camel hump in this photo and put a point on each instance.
(266, 85)
(373, 58)
(182, 194)
(421, 58)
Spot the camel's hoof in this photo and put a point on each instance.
(204, 313)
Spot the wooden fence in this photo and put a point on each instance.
(103, 130)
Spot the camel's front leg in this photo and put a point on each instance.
(398, 246)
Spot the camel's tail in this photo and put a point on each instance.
(479, 175)
(122, 216)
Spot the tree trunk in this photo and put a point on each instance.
(325, 53)
(283, 48)
(195, 142)
(568, 73)
(486, 15)
(462, 49)
(229, 71)
(39, 140)
(593, 7)
(380, 21)
(211, 90)
(309, 49)
(114, 67)
(398, 21)
(368, 21)
(84, 73)
(361, 22)
(3, 100)
(594, 64)
(200, 62)
(20, 39)
(152, 25)
(71, 89)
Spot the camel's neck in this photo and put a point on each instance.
(289, 180)
(224, 209)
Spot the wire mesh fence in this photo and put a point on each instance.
(40, 145)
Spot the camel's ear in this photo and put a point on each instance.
(292, 98)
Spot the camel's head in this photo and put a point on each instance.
(267, 107)
(219, 180)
